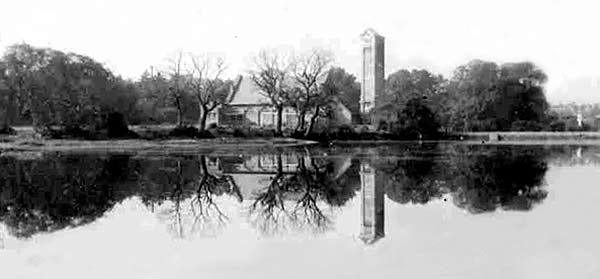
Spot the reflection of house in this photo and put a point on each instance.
(254, 173)
(249, 107)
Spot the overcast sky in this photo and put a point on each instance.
(562, 37)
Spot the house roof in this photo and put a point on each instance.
(248, 93)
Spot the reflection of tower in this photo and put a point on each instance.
(372, 71)
(372, 208)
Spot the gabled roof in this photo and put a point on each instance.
(248, 93)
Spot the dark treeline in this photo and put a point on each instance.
(54, 192)
(74, 95)
(480, 96)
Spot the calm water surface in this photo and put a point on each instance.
(412, 210)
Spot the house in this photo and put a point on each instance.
(248, 106)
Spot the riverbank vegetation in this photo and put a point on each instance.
(68, 95)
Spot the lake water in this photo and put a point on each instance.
(430, 210)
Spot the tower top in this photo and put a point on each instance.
(370, 33)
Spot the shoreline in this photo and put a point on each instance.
(16, 144)
(137, 145)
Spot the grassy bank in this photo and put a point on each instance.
(527, 136)
(26, 140)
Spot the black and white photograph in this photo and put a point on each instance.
(299, 139)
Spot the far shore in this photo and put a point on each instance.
(137, 145)
(28, 143)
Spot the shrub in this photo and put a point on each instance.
(558, 126)
(584, 128)
(7, 131)
(189, 132)
(239, 133)
(416, 121)
(345, 132)
(523, 125)
(72, 132)
(116, 126)
(253, 133)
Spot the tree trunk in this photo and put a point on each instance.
(179, 118)
(8, 113)
(300, 121)
(202, 120)
(312, 121)
(279, 131)
(203, 167)
(179, 112)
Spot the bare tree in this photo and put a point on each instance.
(271, 76)
(177, 89)
(310, 71)
(207, 87)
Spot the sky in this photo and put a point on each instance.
(562, 37)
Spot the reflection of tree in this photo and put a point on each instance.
(568, 155)
(54, 193)
(208, 217)
(59, 191)
(294, 200)
(306, 213)
(507, 177)
(268, 213)
(177, 180)
(191, 183)
(480, 178)
(413, 176)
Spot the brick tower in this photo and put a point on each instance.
(373, 74)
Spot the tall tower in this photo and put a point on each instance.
(373, 75)
(372, 206)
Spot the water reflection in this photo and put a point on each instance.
(372, 205)
(288, 191)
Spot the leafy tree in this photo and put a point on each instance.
(348, 89)
(470, 92)
(416, 87)
(7, 100)
(57, 89)
(417, 121)
(405, 85)
(154, 92)
(484, 96)
(520, 99)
